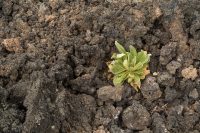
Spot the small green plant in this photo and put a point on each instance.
(130, 66)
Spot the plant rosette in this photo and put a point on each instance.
(130, 66)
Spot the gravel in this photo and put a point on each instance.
(136, 117)
(150, 89)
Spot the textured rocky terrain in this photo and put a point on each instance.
(54, 77)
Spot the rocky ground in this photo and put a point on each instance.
(53, 73)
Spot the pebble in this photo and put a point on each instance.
(150, 89)
(110, 93)
(189, 73)
(136, 117)
(194, 94)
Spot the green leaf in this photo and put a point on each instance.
(139, 65)
(114, 56)
(133, 50)
(139, 72)
(120, 48)
(143, 57)
(126, 64)
(133, 61)
(120, 55)
(132, 75)
(119, 62)
(117, 68)
(130, 80)
(146, 60)
(129, 58)
(119, 79)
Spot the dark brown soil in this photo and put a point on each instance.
(53, 73)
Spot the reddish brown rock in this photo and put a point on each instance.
(12, 45)
(189, 73)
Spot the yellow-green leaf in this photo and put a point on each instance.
(120, 48)
(142, 57)
(139, 65)
(139, 72)
(114, 56)
(130, 80)
(117, 68)
(133, 61)
(133, 50)
(120, 55)
(119, 79)
(126, 64)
